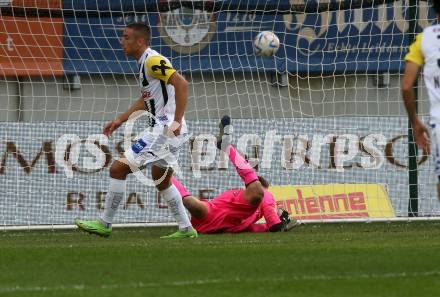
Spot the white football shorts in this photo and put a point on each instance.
(153, 146)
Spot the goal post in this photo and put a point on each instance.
(413, 189)
(322, 119)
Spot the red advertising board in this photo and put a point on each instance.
(31, 46)
(34, 3)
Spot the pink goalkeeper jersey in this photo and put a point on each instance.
(229, 212)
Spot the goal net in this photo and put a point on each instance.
(322, 120)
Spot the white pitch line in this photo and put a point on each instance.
(137, 225)
(81, 287)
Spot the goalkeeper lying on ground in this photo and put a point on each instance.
(236, 210)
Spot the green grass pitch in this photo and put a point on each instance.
(375, 259)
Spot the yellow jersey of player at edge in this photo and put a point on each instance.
(425, 51)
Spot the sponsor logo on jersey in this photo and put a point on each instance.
(163, 67)
(163, 119)
(146, 94)
(138, 146)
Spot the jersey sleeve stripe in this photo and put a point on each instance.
(144, 80)
(164, 92)
(150, 105)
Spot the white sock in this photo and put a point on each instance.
(114, 196)
(172, 196)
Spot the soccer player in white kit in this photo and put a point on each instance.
(425, 52)
(164, 94)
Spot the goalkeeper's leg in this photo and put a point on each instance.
(196, 208)
(254, 190)
(171, 195)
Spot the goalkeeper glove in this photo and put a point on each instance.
(286, 223)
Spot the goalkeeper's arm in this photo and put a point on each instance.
(277, 220)
(273, 219)
(284, 220)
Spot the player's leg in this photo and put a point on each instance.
(161, 151)
(115, 194)
(134, 157)
(254, 191)
(196, 208)
(171, 195)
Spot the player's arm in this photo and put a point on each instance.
(277, 220)
(160, 68)
(414, 61)
(181, 88)
(411, 74)
(274, 221)
(113, 125)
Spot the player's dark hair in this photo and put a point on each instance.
(263, 182)
(436, 6)
(142, 29)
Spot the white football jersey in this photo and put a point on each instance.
(425, 51)
(159, 97)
